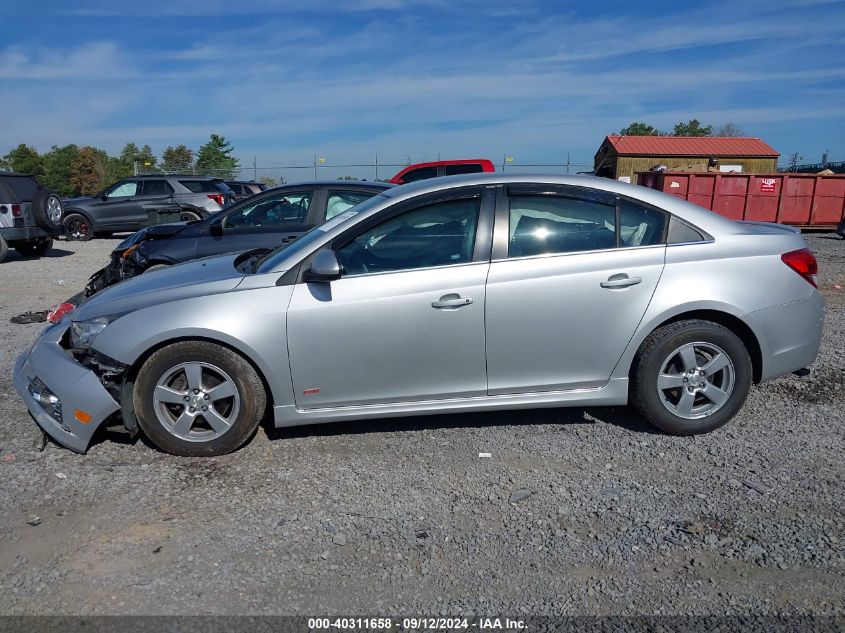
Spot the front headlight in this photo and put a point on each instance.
(83, 333)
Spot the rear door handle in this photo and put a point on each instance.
(451, 301)
(620, 281)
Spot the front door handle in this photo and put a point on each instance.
(620, 281)
(451, 302)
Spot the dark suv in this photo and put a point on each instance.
(265, 221)
(125, 206)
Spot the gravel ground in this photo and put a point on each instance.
(575, 512)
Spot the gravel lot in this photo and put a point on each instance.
(575, 512)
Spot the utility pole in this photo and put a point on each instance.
(315, 167)
(255, 168)
(567, 162)
(134, 167)
(376, 165)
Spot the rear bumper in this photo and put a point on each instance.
(790, 335)
(76, 387)
(23, 234)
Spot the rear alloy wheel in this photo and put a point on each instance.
(691, 377)
(77, 228)
(36, 248)
(189, 216)
(198, 398)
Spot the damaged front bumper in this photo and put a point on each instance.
(66, 399)
(119, 269)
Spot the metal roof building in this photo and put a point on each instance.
(620, 157)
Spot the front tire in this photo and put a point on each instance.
(198, 398)
(691, 377)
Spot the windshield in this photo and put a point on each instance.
(302, 245)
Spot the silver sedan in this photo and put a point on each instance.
(466, 293)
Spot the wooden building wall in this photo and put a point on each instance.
(630, 165)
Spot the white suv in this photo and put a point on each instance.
(30, 216)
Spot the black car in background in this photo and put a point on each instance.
(244, 189)
(265, 221)
(125, 205)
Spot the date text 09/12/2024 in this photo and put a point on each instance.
(416, 623)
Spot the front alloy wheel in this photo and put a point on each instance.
(196, 401)
(198, 398)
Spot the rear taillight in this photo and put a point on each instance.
(219, 198)
(804, 263)
(16, 210)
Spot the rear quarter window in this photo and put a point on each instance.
(203, 186)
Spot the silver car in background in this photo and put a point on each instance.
(465, 293)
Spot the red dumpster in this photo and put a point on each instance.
(806, 200)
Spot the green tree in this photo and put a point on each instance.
(88, 174)
(270, 181)
(58, 165)
(215, 158)
(729, 129)
(25, 159)
(179, 158)
(639, 129)
(692, 127)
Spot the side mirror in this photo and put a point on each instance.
(216, 227)
(324, 267)
(104, 197)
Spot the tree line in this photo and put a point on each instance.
(87, 170)
(693, 127)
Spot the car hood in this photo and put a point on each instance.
(208, 276)
(156, 232)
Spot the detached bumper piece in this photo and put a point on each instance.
(65, 399)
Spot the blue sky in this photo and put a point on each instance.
(415, 79)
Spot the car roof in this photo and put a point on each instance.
(359, 184)
(160, 176)
(704, 218)
(16, 174)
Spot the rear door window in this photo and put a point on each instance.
(156, 188)
(339, 201)
(542, 225)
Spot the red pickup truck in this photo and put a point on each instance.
(420, 171)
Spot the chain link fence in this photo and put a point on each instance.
(322, 169)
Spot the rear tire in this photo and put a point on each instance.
(203, 424)
(691, 377)
(77, 228)
(189, 216)
(36, 248)
(4, 248)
